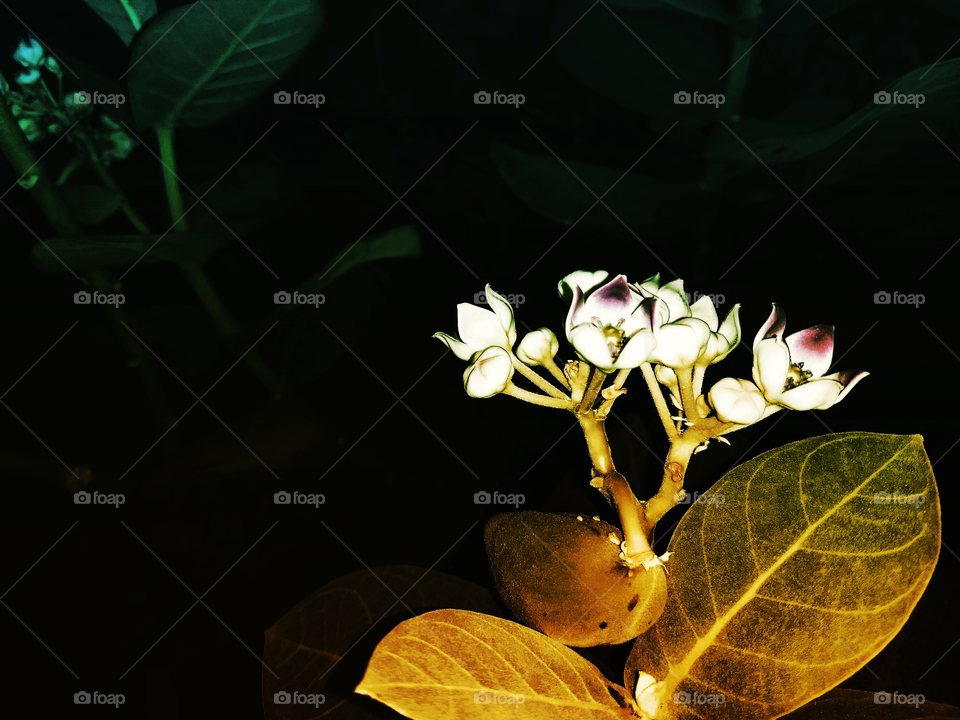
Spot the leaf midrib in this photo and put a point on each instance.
(679, 672)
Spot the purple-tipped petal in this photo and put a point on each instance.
(813, 347)
(479, 328)
(642, 317)
(612, 301)
(773, 327)
(847, 379)
(504, 312)
(771, 361)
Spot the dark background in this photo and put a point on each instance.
(399, 476)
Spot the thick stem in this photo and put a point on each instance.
(532, 376)
(172, 185)
(616, 490)
(657, 394)
(687, 397)
(531, 397)
(674, 471)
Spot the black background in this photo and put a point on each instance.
(399, 478)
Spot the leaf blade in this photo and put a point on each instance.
(126, 17)
(489, 655)
(739, 642)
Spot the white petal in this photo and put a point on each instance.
(538, 347)
(591, 345)
(812, 395)
(490, 373)
(637, 350)
(504, 312)
(461, 350)
(583, 279)
(704, 309)
(479, 328)
(771, 361)
(737, 401)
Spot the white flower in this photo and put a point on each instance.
(480, 329)
(612, 328)
(538, 347)
(683, 336)
(790, 372)
(489, 374)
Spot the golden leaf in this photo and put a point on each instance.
(790, 574)
(458, 665)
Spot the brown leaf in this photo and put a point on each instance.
(788, 576)
(458, 664)
(843, 704)
(306, 643)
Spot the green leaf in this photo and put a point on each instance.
(90, 204)
(789, 576)
(646, 205)
(87, 252)
(773, 143)
(466, 665)
(400, 242)
(701, 8)
(307, 643)
(125, 16)
(198, 64)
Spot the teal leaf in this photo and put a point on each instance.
(198, 64)
(126, 17)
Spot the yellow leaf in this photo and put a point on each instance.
(805, 564)
(458, 665)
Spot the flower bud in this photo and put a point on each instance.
(737, 401)
(538, 347)
(489, 374)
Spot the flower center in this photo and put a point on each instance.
(796, 375)
(615, 337)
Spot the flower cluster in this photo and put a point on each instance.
(615, 326)
(40, 113)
